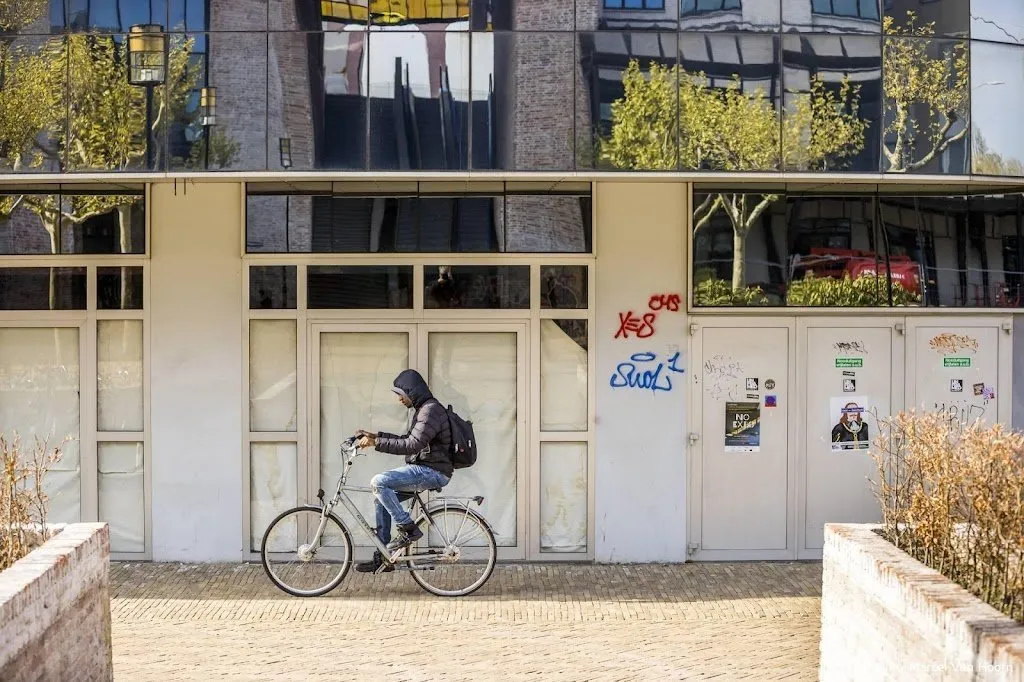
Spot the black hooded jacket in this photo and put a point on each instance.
(429, 439)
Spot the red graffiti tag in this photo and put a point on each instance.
(669, 302)
(642, 327)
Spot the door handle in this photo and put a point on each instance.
(694, 437)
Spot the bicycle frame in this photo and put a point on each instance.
(340, 496)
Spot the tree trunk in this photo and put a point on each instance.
(124, 216)
(739, 259)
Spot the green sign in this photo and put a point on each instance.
(956, 362)
(849, 362)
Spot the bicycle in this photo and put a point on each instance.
(437, 552)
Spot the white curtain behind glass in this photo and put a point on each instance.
(563, 497)
(272, 387)
(273, 487)
(39, 396)
(563, 380)
(475, 372)
(357, 370)
(119, 397)
(121, 495)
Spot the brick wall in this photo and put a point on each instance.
(55, 609)
(886, 616)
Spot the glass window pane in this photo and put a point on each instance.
(419, 100)
(347, 287)
(236, 139)
(272, 386)
(40, 397)
(563, 286)
(119, 288)
(925, 127)
(1003, 248)
(33, 101)
(548, 224)
(476, 373)
(730, 15)
(563, 497)
(33, 223)
(951, 17)
(833, 113)
(42, 289)
(997, 94)
(272, 287)
(273, 488)
(563, 375)
(477, 286)
(717, 129)
(1000, 21)
(356, 371)
(513, 131)
(283, 224)
(119, 376)
(122, 499)
(627, 88)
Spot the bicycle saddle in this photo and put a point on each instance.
(435, 490)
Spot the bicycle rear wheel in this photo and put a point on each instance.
(457, 553)
(300, 563)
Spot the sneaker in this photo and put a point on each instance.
(374, 564)
(406, 536)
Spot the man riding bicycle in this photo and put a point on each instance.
(425, 447)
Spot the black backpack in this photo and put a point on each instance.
(463, 449)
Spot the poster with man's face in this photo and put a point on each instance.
(849, 417)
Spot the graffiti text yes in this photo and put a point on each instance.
(644, 372)
(642, 325)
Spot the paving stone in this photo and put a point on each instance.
(740, 621)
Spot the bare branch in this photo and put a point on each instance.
(706, 209)
(942, 146)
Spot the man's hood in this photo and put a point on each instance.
(412, 386)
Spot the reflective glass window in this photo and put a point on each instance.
(833, 113)
(477, 286)
(34, 105)
(926, 127)
(832, 16)
(730, 15)
(49, 224)
(1000, 21)
(946, 18)
(997, 98)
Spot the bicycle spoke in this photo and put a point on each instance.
(304, 553)
(450, 571)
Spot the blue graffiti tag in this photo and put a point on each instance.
(647, 378)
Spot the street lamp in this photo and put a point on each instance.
(285, 146)
(207, 119)
(147, 67)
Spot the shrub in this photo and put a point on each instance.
(952, 496)
(23, 504)
(865, 291)
(718, 292)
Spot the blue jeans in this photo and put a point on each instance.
(387, 487)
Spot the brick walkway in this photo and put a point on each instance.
(753, 621)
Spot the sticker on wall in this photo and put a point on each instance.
(988, 393)
(849, 374)
(850, 362)
(956, 385)
(769, 384)
(979, 389)
(849, 385)
(770, 401)
(743, 427)
(956, 362)
(849, 414)
(752, 384)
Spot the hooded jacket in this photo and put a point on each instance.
(429, 437)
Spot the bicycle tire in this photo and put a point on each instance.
(334, 582)
(419, 574)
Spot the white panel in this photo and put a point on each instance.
(39, 398)
(122, 498)
(356, 373)
(563, 380)
(744, 487)
(563, 497)
(843, 364)
(273, 488)
(272, 387)
(475, 372)
(640, 435)
(119, 395)
(949, 357)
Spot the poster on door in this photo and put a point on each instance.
(743, 427)
(849, 417)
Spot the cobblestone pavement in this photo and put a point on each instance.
(729, 621)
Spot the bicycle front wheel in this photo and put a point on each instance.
(456, 555)
(302, 561)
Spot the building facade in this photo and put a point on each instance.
(614, 233)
